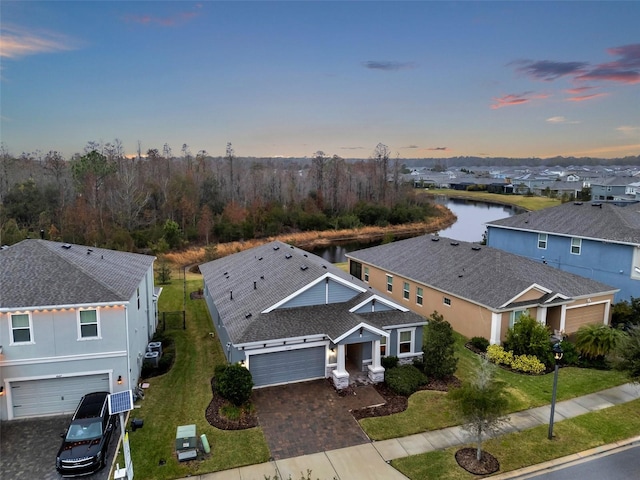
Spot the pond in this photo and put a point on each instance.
(472, 215)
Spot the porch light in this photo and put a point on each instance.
(119, 379)
(1, 390)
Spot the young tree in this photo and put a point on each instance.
(628, 359)
(438, 348)
(482, 403)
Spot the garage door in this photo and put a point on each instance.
(52, 396)
(587, 315)
(287, 366)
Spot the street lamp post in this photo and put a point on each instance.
(557, 355)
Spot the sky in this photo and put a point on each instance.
(427, 79)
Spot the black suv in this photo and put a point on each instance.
(84, 448)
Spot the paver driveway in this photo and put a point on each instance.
(310, 417)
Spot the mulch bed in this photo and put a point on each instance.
(467, 459)
(394, 403)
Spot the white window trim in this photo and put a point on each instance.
(365, 274)
(406, 291)
(444, 301)
(389, 283)
(79, 325)
(383, 343)
(419, 296)
(579, 245)
(31, 339)
(413, 341)
(545, 241)
(512, 316)
(635, 267)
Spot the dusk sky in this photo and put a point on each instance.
(428, 79)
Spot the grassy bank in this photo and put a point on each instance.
(522, 201)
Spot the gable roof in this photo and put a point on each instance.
(592, 220)
(480, 274)
(42, 273)
(249, 289)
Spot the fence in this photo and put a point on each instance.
(173, 320)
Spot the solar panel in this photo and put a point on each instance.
(120, 402)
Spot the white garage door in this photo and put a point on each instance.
(53, 396)
(287, 366)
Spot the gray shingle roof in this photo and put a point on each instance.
(482, 274)
(277, 277)
(605, 221)
(44, 273)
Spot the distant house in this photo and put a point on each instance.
(480, 291)
(288, 316)
(73, 320)
(597, 240)
(612, 189)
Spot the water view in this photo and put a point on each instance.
(469, 227)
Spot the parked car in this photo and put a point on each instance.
(86, 441)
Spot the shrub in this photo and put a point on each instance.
(528, 364)
(498, 355)
(597, 341)
(570, 355)
(480, 343)
(438, 348)
(405, 379)
(235, 383)
(389, 362)
(529, 337)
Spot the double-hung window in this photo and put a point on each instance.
(366, 274)
(542, 241)
(515, 316)
(406, 292)
(88, 324)
(405, 342)
(389, 283)
(21, 328)
(576, 246)
(419, 296)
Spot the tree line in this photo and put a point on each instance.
(161, 200)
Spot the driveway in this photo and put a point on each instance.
(28, 449)
(310, 417)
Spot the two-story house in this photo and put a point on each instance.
(612, 189)
(288, 315)
(73, 320)
(597, 240)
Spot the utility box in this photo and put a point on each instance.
(152, 358)
(155, 347)
(186, 443)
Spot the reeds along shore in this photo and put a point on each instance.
(311, 240)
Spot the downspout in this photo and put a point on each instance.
(126, 322)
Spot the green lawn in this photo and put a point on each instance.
(181, 397)
(530, 447)
(430, 410)
(530, 203)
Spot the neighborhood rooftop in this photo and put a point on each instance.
(595, 220)
(45, 273)
(248, 283)
(482, 274)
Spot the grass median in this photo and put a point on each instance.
(531, 447)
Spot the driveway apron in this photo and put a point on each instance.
(310, 417)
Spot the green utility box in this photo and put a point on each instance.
(186, 443)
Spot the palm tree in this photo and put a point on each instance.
(597, 341)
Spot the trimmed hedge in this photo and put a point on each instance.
(520, 363)
(405, 379)
(480, 343)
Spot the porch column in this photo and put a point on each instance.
(496, 324)
(340, 375)
(563, 317)
(541, 315)
(607, 307)
(376, 370)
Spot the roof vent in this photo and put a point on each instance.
(455, 244)
(66, 246)
(306, 255)
(577, 203)
(225, 274)
(596, 205)
(435, 239)
(248, 315)
(324, 266)
(288, 256)
(277, 247)
(259, 258)
(475, 248)
(303, 267)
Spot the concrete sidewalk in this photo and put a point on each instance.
(370, 461)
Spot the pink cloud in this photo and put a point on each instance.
(625, 69)
(582, 98)
(516, 99)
